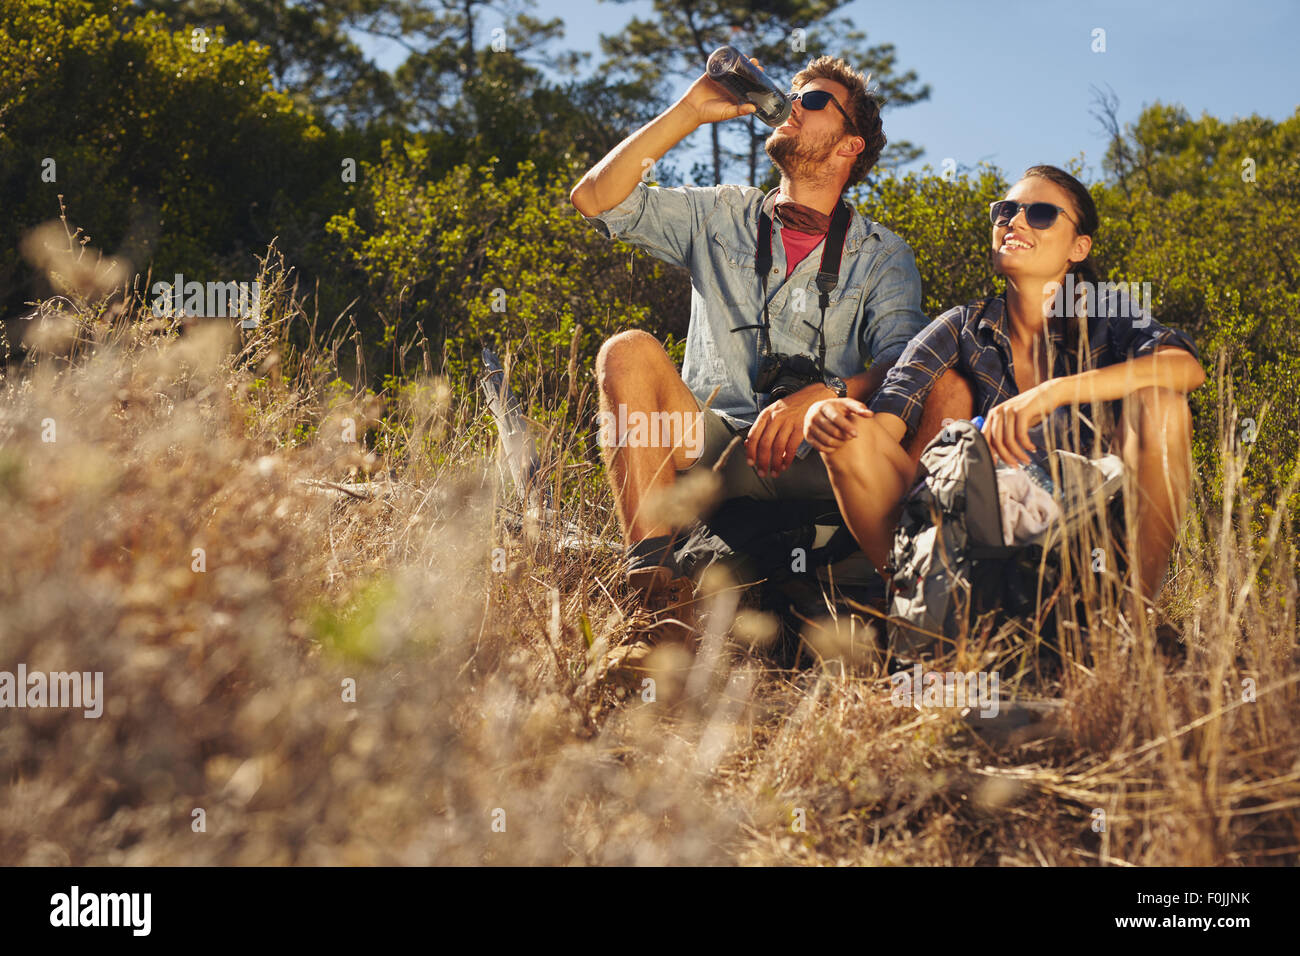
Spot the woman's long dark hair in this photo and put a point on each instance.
(1085, 212)
(1078, 355)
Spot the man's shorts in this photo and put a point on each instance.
(805, 478)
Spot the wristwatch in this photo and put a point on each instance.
(835, 383)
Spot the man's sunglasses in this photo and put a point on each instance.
(817, 100)
(1039, 215)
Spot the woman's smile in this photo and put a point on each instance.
(1011, 243)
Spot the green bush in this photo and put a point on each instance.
(470, 260)
(1205, 211)
(182, 159)
(945, 221)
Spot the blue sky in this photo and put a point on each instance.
(1010, 79)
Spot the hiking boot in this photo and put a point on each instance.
(1019, 722)
(1170, 643)
(670, 603)
(649, 580)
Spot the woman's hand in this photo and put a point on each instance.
(829, 423)
(1007, 425)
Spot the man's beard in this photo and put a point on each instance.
(800, 158)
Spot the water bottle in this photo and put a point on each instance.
(1036, 472)
(731, 70)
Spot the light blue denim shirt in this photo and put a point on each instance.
(713, 233)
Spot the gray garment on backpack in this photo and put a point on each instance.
(951, 517)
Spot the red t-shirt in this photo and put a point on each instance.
(797, 247)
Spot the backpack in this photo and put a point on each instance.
(949, 564)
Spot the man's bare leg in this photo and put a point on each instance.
(870, 474)
(635, 373)
(1156, 443)
(637, 378)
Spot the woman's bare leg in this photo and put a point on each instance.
(870, 474)
(1156, 437)
(951, 397)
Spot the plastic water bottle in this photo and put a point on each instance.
(1039, 476)
(1037, 473)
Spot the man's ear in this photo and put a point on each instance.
(854, 146)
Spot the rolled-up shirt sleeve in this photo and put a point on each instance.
(1134, 333)
(1157, 336)
(663, 221)
(889, 355)
(891, 313)
(927, 356)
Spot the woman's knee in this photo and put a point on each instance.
(872, 447)
(1163, 417)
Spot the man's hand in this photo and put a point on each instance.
(830, 423)
(1007, 426)
(712, 103)
(612, 179)
(779, 430)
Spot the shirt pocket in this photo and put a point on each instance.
(799, 325)
(736, 277)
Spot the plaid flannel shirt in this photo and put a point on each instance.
(976, 342)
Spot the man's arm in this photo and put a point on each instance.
(612, 179)
(863, 385)
(891, 310)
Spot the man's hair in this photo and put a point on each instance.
(863, 106)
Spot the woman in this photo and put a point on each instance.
(1027, 354)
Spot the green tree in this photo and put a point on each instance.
(178, 158)
(1204, 211)
(479, 79)
(312, 50)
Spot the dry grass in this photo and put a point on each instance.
(225, 686)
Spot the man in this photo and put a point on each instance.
(828, 144)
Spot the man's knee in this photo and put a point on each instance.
(628, 354)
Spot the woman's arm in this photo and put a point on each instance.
(1007, 428)
(898, 400)
(1169, 367)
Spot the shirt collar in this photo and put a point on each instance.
(859, 225)
(996, 322)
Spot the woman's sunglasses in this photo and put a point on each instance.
(1039, 215)
(817, 100)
